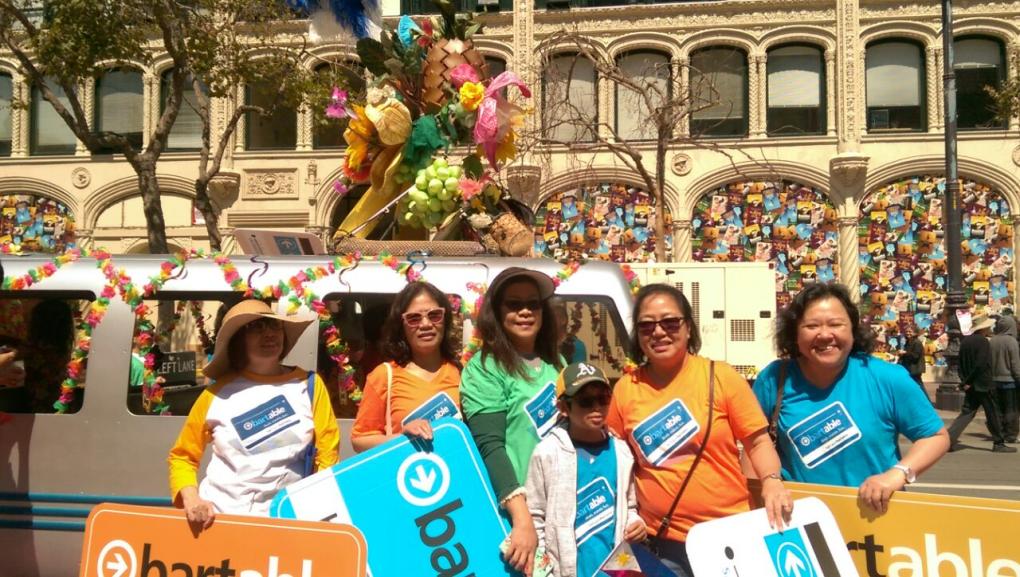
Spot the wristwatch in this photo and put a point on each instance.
(907, 472)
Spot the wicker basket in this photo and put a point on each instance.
(512, 236)
(404, 247)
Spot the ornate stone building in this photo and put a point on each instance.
(822, 155)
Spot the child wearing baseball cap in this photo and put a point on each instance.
(579, 485)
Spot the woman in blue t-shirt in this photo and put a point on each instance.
(841, 410)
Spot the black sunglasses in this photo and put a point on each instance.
(671, 325)
(261, 325)
(517, 305)
(590, 401)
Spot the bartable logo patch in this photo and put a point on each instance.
(824, 435)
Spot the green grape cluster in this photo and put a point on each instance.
(435, 195)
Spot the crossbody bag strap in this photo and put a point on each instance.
(780, 389)
(310, 452)
(664, 525)
(389, 396)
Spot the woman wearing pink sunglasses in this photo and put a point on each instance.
(420, 382)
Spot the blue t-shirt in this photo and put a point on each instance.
(595, 523)
(848, 432)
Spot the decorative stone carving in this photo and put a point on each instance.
(312, 173)
(1016, 156)
(81, 177)
(270, 184)
(847, 170)
(682, 164)
(524, 181)
(223, 190)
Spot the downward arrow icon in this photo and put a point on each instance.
(793, 565)
(423, 481)
(118, 567)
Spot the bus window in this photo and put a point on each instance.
(184, 336)
(588, 333)
(360, 318)
(39, 336)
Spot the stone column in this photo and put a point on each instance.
(83, 238)
(849, 267)
(1016, 261)
(682, 240)
(1013, 53)
(525, 60)
(229, 108)
(830, 92)
(756, 93)
(87, 95)
(932, 81)
(150, 106)
(19, 118)
(304, 128)
(850, 74)
(684, 130)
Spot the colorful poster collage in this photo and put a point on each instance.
(35, 223)
(788, 224)
(903, 258)
(607, 221)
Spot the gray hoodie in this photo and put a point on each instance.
(1005, 352)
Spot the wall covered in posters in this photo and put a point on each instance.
(788, 224)
(608, 221)
(36, 223)
(903, 258)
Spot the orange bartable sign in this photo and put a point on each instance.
(132, 541)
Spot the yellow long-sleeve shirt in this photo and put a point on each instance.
(259, 428)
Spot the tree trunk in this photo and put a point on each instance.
(660, 200)
(148, 186)
(211, 218)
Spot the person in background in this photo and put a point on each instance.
(580, 489)
(269, 424)
(678, 405)
(1006, 374)
(421, 381)
(976, 380)
(571, 347)
(827, 375)
(46, 352)
(912, 358)
(508, 393)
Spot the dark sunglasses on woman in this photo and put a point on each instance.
(671, 325)
(435, 316)
(516, 306)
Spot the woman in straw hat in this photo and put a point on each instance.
(421, 380)
(269, 424)
(508, 392)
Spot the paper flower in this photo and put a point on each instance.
(471, 95)
(338, 106)
(469, 188)
(463, 73)
(497, 117)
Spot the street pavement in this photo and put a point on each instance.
(974, 470)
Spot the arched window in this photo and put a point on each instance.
(570, 99)
(275, 131)
(186, 133)
(719, 92)
(978, 63)
(796, 91)
(650, 70)
(49, 133)
(895, 86)
(496, 67)
(119, 103)
(6, 96)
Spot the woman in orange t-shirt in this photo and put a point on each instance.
(661, 410)
(421, 381)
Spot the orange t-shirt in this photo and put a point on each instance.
(665, 427)
(436, 398)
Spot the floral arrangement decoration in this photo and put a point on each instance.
(431, 91)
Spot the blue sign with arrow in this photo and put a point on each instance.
(435, 506)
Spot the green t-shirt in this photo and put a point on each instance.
(530, 406)
(137, 374)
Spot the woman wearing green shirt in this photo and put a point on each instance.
(508, 393)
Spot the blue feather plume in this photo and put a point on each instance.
(351, 14)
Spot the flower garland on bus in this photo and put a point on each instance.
(471, 310)
(632, 279)
(42, 271)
